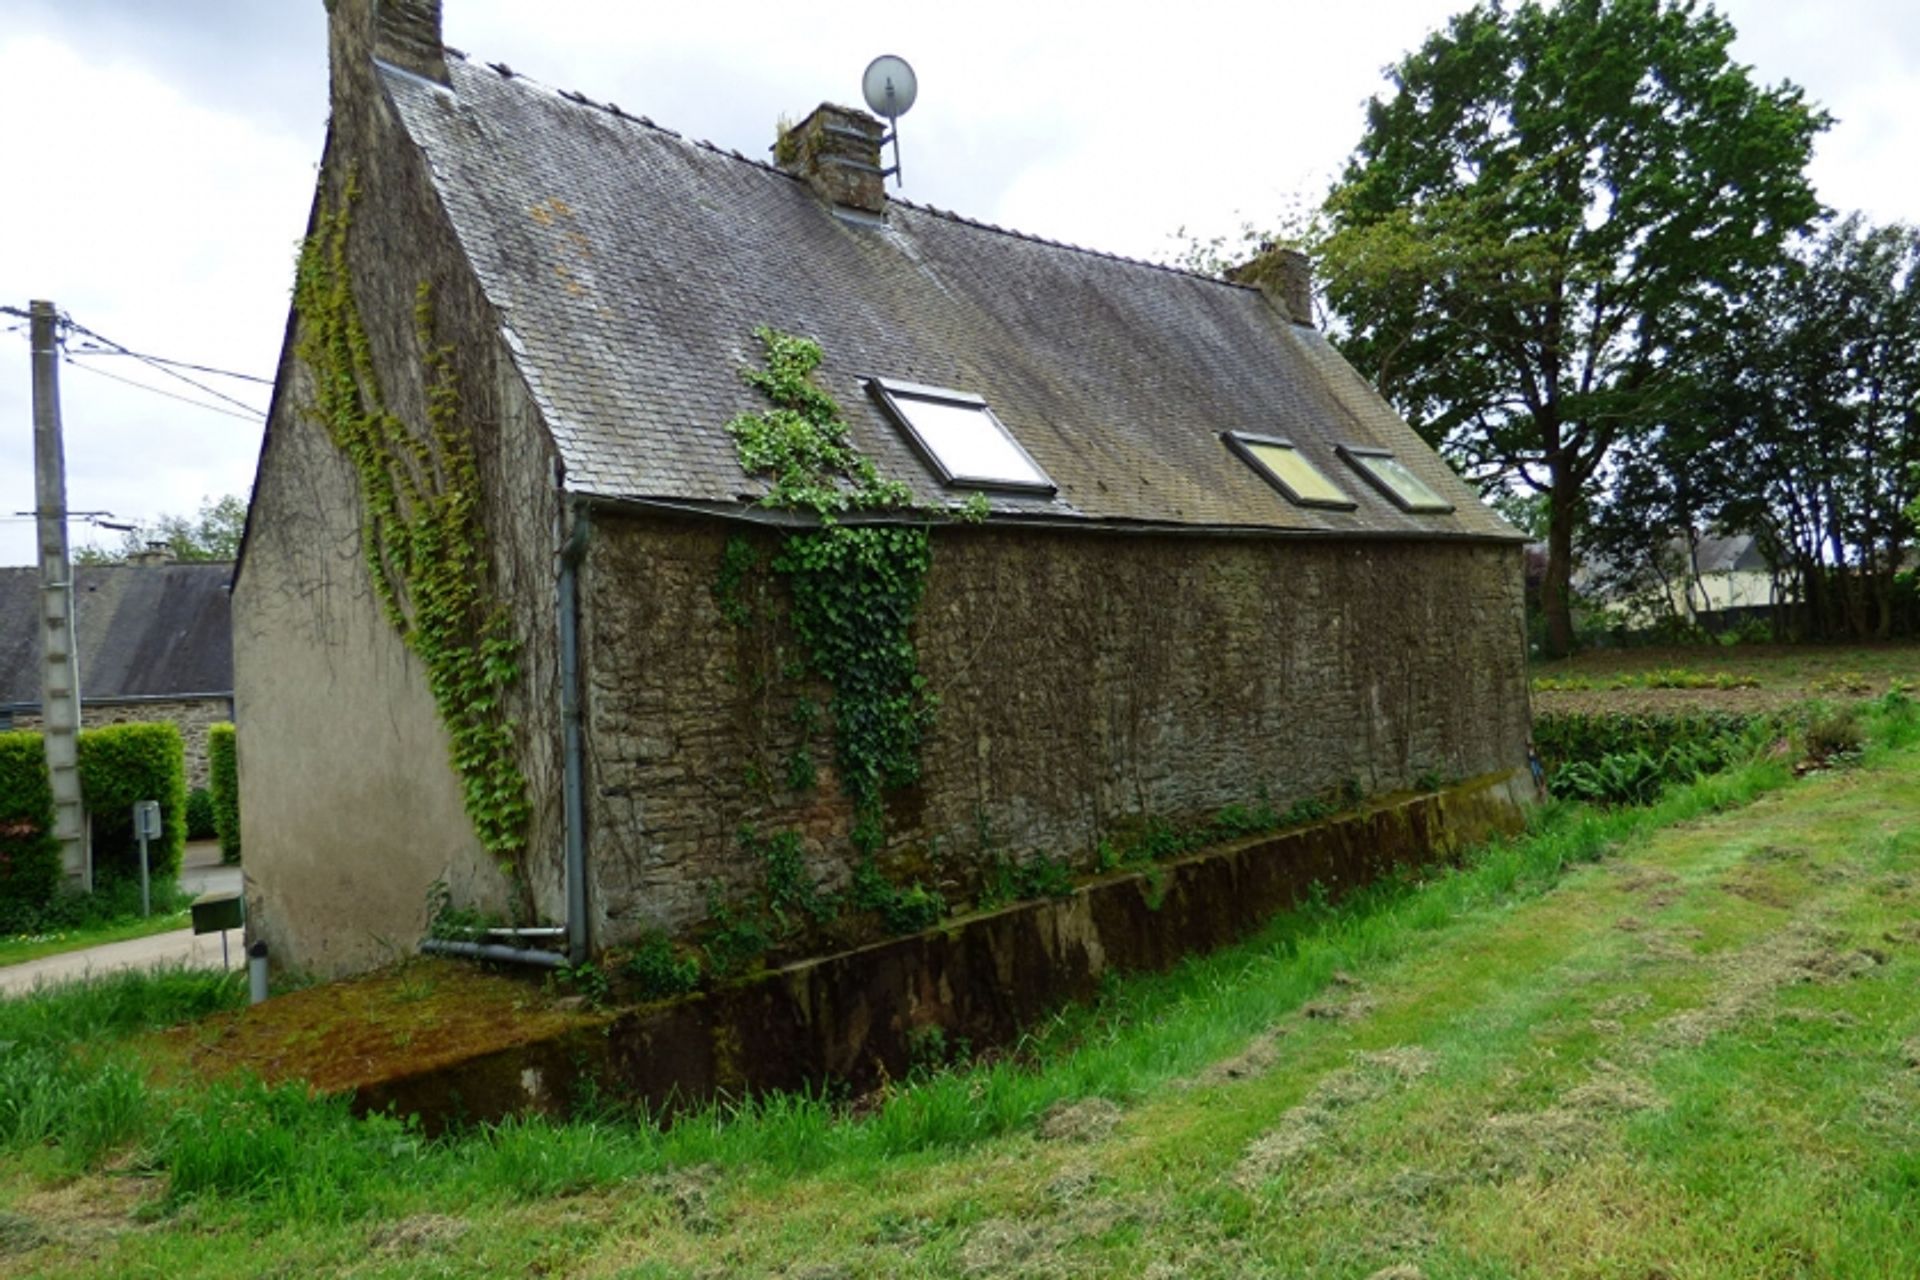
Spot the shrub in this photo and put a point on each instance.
(223, 768)
(1616, 759)
(200, 814)
(29, 855)
(1834, 731)
(124, 763)
(659, 972)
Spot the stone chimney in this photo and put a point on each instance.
(400, 33)
(153, 553)
(1284, 275)
(837, 150)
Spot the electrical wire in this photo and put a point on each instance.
(77, 327)
(252, 414)
(176, 364)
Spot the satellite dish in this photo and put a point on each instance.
(889, 86)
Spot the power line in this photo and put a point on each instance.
(251, 415)
(178, 364)
(77, 327)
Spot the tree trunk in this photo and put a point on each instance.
(1556, 589)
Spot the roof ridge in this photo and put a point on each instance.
(612, 108)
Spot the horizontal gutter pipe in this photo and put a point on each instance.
(494, 951)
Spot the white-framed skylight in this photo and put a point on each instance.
(1284, 467)
(1395, 479)
(959, 436)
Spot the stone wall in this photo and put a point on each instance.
(1088, 682)
(193, 715)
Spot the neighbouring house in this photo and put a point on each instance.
(155, 644)
(1708, 580)
(1182, 556)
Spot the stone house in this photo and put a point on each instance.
(1214, 566)
(155, 644)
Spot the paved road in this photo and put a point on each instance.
(201, 872)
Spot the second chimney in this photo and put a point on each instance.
(1284, 275)
(837, 150)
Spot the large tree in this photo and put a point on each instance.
(1811, 412)
(1548, 209)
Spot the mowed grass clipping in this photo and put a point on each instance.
(1680, 1041)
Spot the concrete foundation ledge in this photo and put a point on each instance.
(855, 1017)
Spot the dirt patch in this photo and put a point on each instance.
(1642, 879)
(421, 1233)
(1258, 1058)
(20, 1234)
(1755, 887)
(1305, 1128)
(383, 1025)
(1349, 1010)
(1612, 1092)
(1825, 1017)
(1515, 1143)
(1748, 979)
(1042, 1247)
(1082, 1120)
(77, 1213)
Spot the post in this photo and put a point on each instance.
(60, 659)
(146, 888)
(146, 826)
(257, 973)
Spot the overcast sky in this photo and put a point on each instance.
(159, 159)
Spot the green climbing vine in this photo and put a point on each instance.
(420, 529)
(854, 587)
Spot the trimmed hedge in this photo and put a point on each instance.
(29, 855)
(223, 772)
(200, 814)
(120, 764)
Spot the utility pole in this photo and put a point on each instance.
(60, 659)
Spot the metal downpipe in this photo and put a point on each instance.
(572, 750)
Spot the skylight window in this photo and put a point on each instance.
(960, 436)
(1288, 470)
(1395, 479)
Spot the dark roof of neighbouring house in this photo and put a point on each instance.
(1737, 554)
(631, 267)
(145, 631)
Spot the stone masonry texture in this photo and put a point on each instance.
(193, 715)
(1088, 684)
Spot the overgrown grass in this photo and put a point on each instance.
(248, 1154)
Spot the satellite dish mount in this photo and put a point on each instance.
(889, 87)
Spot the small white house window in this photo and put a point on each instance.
(1395, 479)
(960, 437)
(1288, 470)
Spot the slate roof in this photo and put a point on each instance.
(631, 268)
(1737, 554)
(145, 631)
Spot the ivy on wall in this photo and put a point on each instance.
(855, 587)
(420, 530)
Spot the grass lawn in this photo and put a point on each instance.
(1746, 677)
(18, 948)
(1677, 1042)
